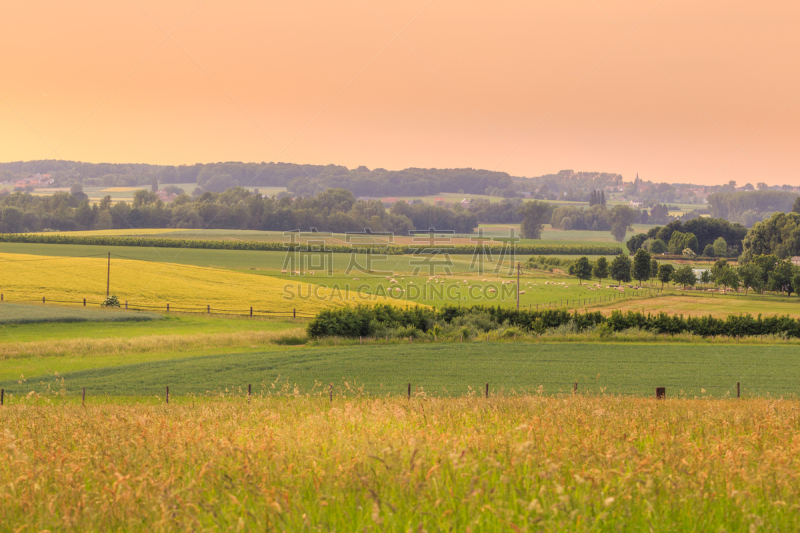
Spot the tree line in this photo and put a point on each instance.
(710, 237)
(334, 210)
(762, 273)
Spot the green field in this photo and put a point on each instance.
(444, 369)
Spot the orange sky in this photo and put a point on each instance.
(702, 92)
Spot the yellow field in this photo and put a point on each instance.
(719, 306)
(70, 279)
(294, 463)
(121, 189)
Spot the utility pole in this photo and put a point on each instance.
(517, 286)
(108, 277)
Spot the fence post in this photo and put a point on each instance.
(167, 393)
(409, 391)
(248, 392)
(575, 388)
(737, 389)
(42, 299)
(1, 297)
(83, 397)
(251, 312)
(126, 304)
(330, 391)
(167, 308)
(2, 396)
(208, 309)
(661, 393)
(294, 313)
(487, 390)
(84, 302)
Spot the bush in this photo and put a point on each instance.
(110, 301)
(708, 251)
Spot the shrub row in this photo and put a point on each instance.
(364, 321)
(211, 244)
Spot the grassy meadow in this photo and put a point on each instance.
(440, 369)
(287, 462)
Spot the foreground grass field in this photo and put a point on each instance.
(442, 369)
(524, 463)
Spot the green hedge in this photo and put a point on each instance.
(459, 249)
(363, 321)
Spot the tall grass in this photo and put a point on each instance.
(86, 347)
(288, 462)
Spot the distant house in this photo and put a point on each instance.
(796, 260)
(635, 204)
(465, 202)
(165, 196)
(389, 201)
(526, 194)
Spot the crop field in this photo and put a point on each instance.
(451, 368)
(714, 304)
(146, 284)
(521, 463)
(550, 235)
(26, 314)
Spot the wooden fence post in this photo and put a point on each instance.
(167, 393)
(84, 302)
(126, 304)
(208, 309)
(42, 299)
(83, 397)
(330, 391)
(661, 393)
(575, 388)
(248, 392)
(251, 312)
(294, 313)
(167, 308)
(487, 390)
(409, 391)
(2, 396)
(737, 389)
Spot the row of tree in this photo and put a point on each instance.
(335, 210)
(763, 273)
(701, 235)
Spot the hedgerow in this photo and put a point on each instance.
(213, 244)
(364, 321)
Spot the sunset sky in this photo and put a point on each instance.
(676, 90)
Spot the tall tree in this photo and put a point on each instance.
(752, 276)
(581, 269)
(620, 269)
(535, 213)
(600, 269)
(684, 276)
(665, 273)
(641, 266)
(622, 218)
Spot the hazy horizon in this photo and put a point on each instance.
(677, 92)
